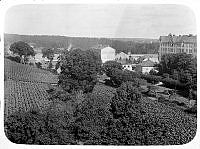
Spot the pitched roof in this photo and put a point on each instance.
(147, 63)
(175, 39)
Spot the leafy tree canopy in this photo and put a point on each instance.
(110, 65)
(176, 62)
(79, 70)
(49, 53)
(22, 49)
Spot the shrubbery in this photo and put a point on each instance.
(171, 83)
(122, 119)
(151, 78)
(16, 58)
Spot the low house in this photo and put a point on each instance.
(147, 66)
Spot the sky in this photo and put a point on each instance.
(100, 20)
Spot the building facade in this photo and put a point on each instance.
(107, 54)
(178, 44)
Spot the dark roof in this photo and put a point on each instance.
(176, 39)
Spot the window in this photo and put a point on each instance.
(190, 50)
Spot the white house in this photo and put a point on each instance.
(107, 54)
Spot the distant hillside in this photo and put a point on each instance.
(134, 45)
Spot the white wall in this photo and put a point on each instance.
(107, 54)
(147, 69)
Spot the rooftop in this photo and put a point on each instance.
(180, 38)
(147, 63)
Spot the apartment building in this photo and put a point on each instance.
(178, 44)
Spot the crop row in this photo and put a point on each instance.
(24, 96)
(16, 71)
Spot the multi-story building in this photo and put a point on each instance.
(178, 44)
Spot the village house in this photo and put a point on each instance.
(133, 58)
(147, 66)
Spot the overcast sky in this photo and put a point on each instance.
(145, 21)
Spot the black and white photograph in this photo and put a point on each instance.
(100, 74)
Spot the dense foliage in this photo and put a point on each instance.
(151, 78)
(180, 66)
(15, 59)
(49, 53)
(108, 66)
(80, 111)
(103, 117)
(117, 77)
(179, 70)
(133, 45)
(79, 70)
(22, 49)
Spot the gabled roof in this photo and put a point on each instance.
(147, 63)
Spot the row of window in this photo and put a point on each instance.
(178, 50)
(175, 45)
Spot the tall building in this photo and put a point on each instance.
(178, 44)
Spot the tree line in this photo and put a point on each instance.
(85, 43)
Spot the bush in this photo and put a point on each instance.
(174, 84)
(24, 128)
(15, 59)
(117, 77)
(192, 110)
(151, 78)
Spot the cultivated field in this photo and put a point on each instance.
(25, 87)
(27, 73)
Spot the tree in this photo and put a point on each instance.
(22, 49)
(179, 62)
(131, 124)
(78, 71)
(49, 53)
(110, 65)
